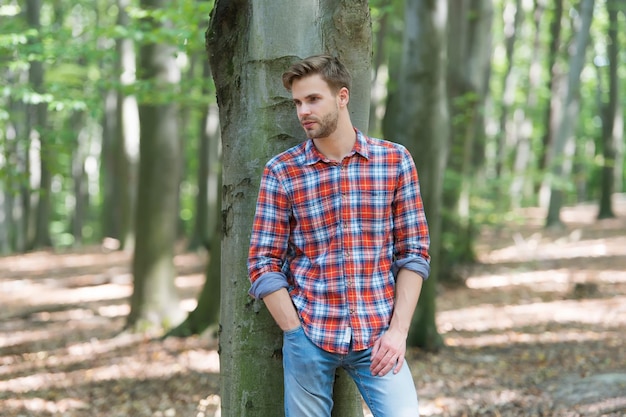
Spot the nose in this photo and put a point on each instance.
(303, 110)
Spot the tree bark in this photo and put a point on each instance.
(552, 109)
(564, 143)
(154, 302)
(521, 186)
(37, 130)
(250, 44)
(126, 140)
(79, 176)
(206, 313)
(612, 126)
(469, 42)
(208, 171)
(423, 126)
(512, 15)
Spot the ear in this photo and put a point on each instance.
(344, 96)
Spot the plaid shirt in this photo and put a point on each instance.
(335, 234)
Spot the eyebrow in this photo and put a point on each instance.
(309, 96)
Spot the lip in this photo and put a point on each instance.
(307, 124)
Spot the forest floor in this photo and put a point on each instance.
(539, 329)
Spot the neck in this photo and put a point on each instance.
(339, 144)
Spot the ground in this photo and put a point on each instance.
(539, 329)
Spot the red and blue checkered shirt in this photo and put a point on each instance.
(335, 234)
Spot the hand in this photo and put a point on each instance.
(388, 353)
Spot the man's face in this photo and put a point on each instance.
(316, 105)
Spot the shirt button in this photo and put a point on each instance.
(351, 311)
(347, 255)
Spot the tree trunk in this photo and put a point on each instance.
(468, 68)
(37, 116)
(126, 148)
(206, 313)
(512, 16)
(107, 164)
(564, 143)
(552, 108)
(423, 126)
(250, 44)
(120, 148)
(11, 212)
(612, 126)
(209, 170)
(79, 176)
(379, 59)
(154, 302)
(521, 186)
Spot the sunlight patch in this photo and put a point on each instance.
(560, 279)
(608, 312)
(40, 405)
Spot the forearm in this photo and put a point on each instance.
(282, 309)
(408, 289)
(388, 351)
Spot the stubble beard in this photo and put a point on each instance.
(327, 126)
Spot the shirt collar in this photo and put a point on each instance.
(313, 155)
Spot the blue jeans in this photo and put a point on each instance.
(310, 374)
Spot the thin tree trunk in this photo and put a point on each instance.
(37, 131)
(612, 126)
(469, 59)
(79, 176)
(126, 147)
(206, 313)
(377, 64)
(564, 143)
(512, 16)
(11, 229)
(154, 302)
(423, 126)
(524, 150)
(552, 110)
(209, 170)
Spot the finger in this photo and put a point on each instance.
(399, 364)
(376, 357)
(385, 364)
(388, 366)
(375, 348)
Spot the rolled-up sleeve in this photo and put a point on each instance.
(270, 236)
(411, 236)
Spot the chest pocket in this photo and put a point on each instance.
(314, 224)
(373, 209)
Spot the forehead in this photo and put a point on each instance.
(308, 86)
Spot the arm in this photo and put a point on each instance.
(410, 268)
(282, 309)
(268, 243)
(269, 239)
(388, 351)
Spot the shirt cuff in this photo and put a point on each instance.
(268, 283)
(418, 265)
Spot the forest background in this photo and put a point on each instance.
(534, 119)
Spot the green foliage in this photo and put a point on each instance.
(76, 45)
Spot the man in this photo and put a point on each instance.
(339, 250)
